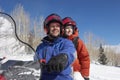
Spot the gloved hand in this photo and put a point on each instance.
(57, 63)
(86, 78)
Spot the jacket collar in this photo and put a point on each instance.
(47, 40)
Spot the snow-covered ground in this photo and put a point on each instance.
(101, 72)
(10, 48)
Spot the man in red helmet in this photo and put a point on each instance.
(55, 53)
(82, 63)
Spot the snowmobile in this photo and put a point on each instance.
(19, 70)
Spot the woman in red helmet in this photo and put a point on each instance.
(82, 63)
(55, 53)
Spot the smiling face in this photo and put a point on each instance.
(68, 30)
(54, 29)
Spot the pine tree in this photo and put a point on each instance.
(102, 57)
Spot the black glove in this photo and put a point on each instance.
(86, 78)
(57, 63)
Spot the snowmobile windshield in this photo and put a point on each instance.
(13, 39)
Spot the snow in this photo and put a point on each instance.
(11, 49)
(101, 72)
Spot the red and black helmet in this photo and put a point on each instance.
(52, 18)
(69, 21)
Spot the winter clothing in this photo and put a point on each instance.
(57, 63)
(68, 21)
(60, 52)
(82, 63)
(52, 18)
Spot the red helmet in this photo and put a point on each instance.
(52, 18)
(68, 21)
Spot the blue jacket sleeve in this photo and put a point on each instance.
(69, 49)
(37, 54)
